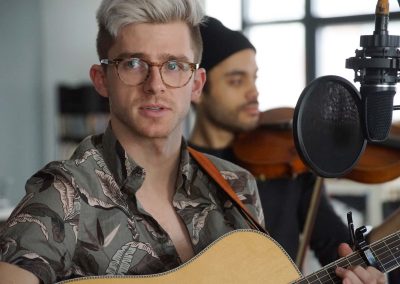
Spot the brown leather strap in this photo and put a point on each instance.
(213, 172)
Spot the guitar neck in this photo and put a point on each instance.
(385, 251)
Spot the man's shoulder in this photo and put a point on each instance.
(86, 156)
(225, 165)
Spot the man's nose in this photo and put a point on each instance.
(252, 92)
(154, 83)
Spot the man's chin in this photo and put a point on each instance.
(251, 123)
(248, 126)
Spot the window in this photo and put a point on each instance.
(218, 9)
(340, 8)
(299, 40)
(280, 59)
(260, 11)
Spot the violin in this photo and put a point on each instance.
(268, 152)
(380, 162)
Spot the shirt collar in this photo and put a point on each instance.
(128, 174)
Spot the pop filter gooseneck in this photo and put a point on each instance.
(326, 126)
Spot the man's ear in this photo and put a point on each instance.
(198, 84)
(98, 77)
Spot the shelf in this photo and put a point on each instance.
(82, 112)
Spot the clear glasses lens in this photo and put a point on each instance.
(135, 71)
(176, 74)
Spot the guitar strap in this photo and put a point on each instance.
(214, 173)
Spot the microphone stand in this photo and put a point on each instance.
(376, 67)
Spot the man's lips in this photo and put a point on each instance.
(251, 108)
(153, 107)
(154, 110)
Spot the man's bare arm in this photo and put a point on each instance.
(12, 274)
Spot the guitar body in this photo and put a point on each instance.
(242, 256)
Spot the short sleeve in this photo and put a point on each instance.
(40, 235)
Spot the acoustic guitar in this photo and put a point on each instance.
(247, 256)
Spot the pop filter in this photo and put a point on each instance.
(327, 128)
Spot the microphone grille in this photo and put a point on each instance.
(377, 114)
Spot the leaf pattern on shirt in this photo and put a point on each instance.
(5, 245)
(99, 242)
(76, 271)
(110, 236)
(111, 189)
(93, 201)
(122, 259)
(229, 175)
(128, 165)
(199, 220)
(94, 153)
(86, 263)
(26, 218)
(57, 223)
(151, 229)
(148, 265)
(228, 204)
(21, 205)
(133, 229)
(42, 180)
(111, 233)
(238, 181)
(182, 204)
(33, 255)
(67, 192)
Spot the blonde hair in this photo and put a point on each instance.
(112, 15)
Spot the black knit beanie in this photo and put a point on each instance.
(219, 42)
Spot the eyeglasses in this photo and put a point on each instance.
(134, 71)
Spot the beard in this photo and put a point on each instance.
(235, 120)
(138, 126)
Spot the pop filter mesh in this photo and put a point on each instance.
(327, 127)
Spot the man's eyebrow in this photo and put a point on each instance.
(175, 57)
(235, 73)
(124, 55)
(163, 57)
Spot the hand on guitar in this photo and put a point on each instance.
(358, 274)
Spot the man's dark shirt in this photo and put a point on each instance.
(80, 217)
(286, 202)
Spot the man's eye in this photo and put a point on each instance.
(173, 66)
(133, 64)
(236, 82)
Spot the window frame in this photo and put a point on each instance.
(311, 24)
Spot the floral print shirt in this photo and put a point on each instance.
(80, 216)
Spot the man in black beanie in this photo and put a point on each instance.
(229, 106)
(229, 59)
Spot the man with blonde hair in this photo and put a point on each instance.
(133, 200)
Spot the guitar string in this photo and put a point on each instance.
(330, 269)
(384, 251)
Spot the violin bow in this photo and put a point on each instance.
(310, 221)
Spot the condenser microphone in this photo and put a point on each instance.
(376, 67)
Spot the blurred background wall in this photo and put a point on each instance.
(44, 43)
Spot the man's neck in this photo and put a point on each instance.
(159, 157)
(208, 135)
